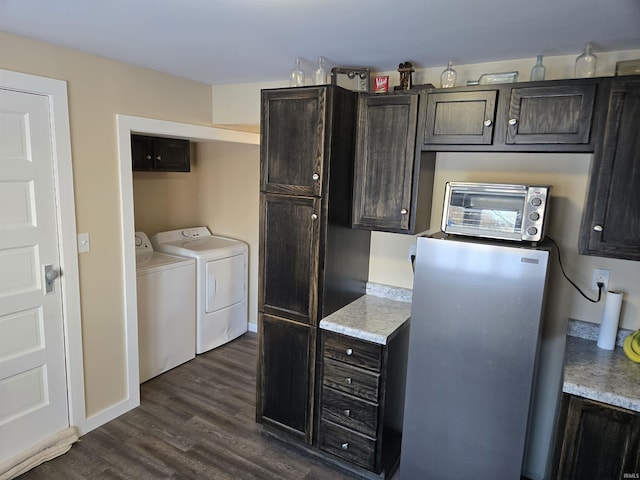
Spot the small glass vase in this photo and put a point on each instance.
(320, 75)
(448, 76)
(297, 75)
(538, 71)
(586, 63)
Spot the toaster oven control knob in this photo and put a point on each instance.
(532, 231)
(536, 201)
(487, 123)
(534, 216)
(597, 228)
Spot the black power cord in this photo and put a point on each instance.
(600, 284)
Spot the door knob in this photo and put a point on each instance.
(50, 274)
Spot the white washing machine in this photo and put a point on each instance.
(166, 291)
(221, 282)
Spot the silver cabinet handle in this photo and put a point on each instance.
(349, 351)
(147, 157)
(314, 216)
(50, 274)
(513, 121)
(315, 176)
(404, 211)
(487, 123)
(598, 228)
(345, 446)
(347, 413)
(158, 158)
(348, 380)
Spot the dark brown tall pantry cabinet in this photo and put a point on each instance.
(311, 262)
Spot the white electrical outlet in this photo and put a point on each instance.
(602, 276)
(412, 251)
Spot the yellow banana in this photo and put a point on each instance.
(635, 342)
(628, 350)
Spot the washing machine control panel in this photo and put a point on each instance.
(182, 234)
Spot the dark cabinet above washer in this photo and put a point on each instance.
(159, 154)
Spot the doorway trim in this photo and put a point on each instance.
(56, 91)
(126, 125)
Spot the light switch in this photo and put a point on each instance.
(83, 243)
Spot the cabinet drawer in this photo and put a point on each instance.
(349, 412)
(353, 351)
(347, 444)
(352, 380)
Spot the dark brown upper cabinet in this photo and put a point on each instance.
(160, 154)
(557, 114)
(460, 118)
(292, 148)
(386, 186)
(611, 219)
(550, 116)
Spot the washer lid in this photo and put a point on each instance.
(147, 262)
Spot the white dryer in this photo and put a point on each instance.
(221, 282)
(166, 291)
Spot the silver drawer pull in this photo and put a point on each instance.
(513, 122)
(348, 380)
(349, 351)
(316, 176)
(487, 123)
(404, 211)
(347, 413)
(597, 228)
(345, 446)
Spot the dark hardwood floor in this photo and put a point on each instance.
(196, 421)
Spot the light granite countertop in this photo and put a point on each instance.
(606, 376)
(371, 318)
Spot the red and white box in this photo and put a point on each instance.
(381, 84)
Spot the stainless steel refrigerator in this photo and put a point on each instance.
(474, 336)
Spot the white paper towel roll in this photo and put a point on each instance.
(610, 318)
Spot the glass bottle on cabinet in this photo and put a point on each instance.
(448, 76)
(320, 75)
(538, 71)
(297, 75)
(586, 63)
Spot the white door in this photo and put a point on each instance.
(33, 390)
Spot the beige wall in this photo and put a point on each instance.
(567, 173)
(98, 90)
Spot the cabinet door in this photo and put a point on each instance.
(385, 153)
(460, 118)
(289, 251)
(142, 157)
(551, 115)
(172, 155)
(293, 140)
(597, 441)
(285, 375)
(611, 220)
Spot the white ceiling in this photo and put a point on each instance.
(239, 41)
